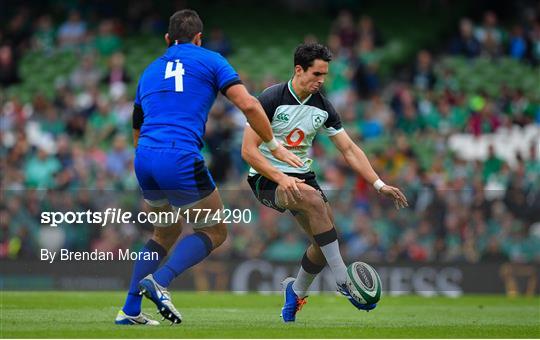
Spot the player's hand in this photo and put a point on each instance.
(286, 156)
(400, 201)
(288, 187)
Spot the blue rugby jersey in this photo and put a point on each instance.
(176, 92)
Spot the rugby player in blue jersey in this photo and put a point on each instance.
(173, 98)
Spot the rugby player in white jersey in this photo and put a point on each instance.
(297, 112)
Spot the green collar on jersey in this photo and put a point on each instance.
(291, 89)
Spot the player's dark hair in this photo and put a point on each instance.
(184, 25)
(306, 54)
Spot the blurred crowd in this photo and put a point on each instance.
(521, 41)
(73, 152)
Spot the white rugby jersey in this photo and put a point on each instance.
(295, 123)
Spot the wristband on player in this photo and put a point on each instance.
(378, 185)
(272, 144)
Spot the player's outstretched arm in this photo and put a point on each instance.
(258, 121)
(359, 162)
(253, 156)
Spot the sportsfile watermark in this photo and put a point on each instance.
(120, 216)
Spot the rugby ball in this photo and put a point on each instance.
(364, 283)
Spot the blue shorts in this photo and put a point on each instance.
(172, 176)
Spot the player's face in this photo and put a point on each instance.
(312, 79)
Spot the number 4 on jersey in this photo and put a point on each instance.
(177, 73)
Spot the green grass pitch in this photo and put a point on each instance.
(226, 315)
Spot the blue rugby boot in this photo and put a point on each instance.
(344, 290)
(161, 297)
(293, 304)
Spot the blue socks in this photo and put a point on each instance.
(132, 306)
(191, 250)
(188, 252)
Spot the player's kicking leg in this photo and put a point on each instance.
(191, 250)
(317, 217)
(165, 235)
